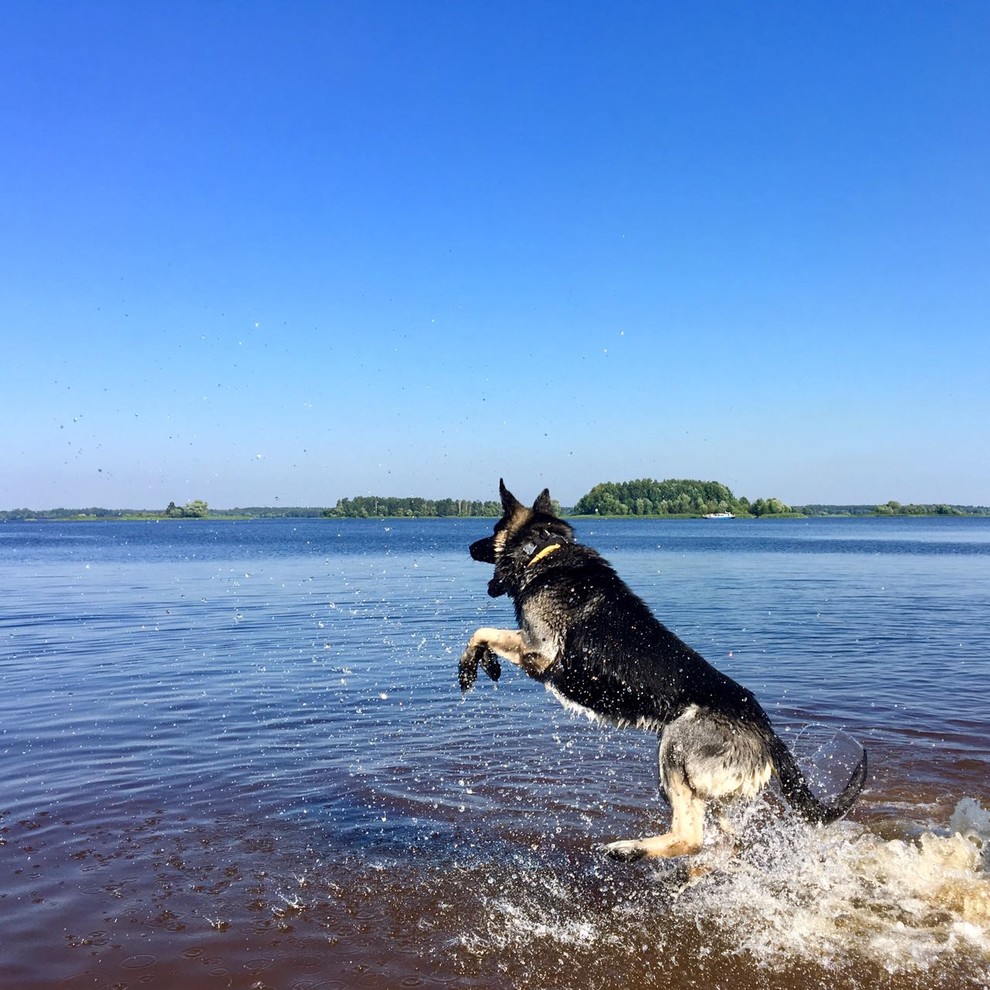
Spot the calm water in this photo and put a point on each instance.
(235, 755)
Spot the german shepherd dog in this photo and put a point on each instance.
(597, 646)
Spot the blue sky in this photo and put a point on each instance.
(280, 253)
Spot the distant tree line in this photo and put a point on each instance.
(271, 512)
(196, 509)
(29, 515)
(644, 497)
(893, 508)
(673, 497)
(818, 509)
(389, 507)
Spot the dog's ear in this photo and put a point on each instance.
(509, 501)
(543, 503)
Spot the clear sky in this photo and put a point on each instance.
(277, 253)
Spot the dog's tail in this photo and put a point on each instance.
(795, 789)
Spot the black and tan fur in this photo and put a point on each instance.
(597, 646)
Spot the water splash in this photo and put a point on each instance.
(826, 894)
(793, 896)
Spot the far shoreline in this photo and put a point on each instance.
(112, 515)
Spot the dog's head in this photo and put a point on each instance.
(519, 536)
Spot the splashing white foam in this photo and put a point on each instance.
(539, 907)
(793, 893)
(826, 894)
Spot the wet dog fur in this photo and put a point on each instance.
(597, 646)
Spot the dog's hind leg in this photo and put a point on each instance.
(687, 826)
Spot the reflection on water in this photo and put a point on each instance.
(237, 755)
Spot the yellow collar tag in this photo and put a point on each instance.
(543, 553)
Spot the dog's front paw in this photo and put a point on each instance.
(490, 664)
(626, 851)
(467, 669)
(471, 659)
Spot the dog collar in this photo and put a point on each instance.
(543, 553)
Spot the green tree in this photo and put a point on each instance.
(675, 496)
(197, 509)
(769, 507)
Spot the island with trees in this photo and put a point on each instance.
(196, 509)
(673, 497)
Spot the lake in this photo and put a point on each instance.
(235, 754)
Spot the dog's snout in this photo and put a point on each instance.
(483, 550)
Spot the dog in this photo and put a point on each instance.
(597, 646)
